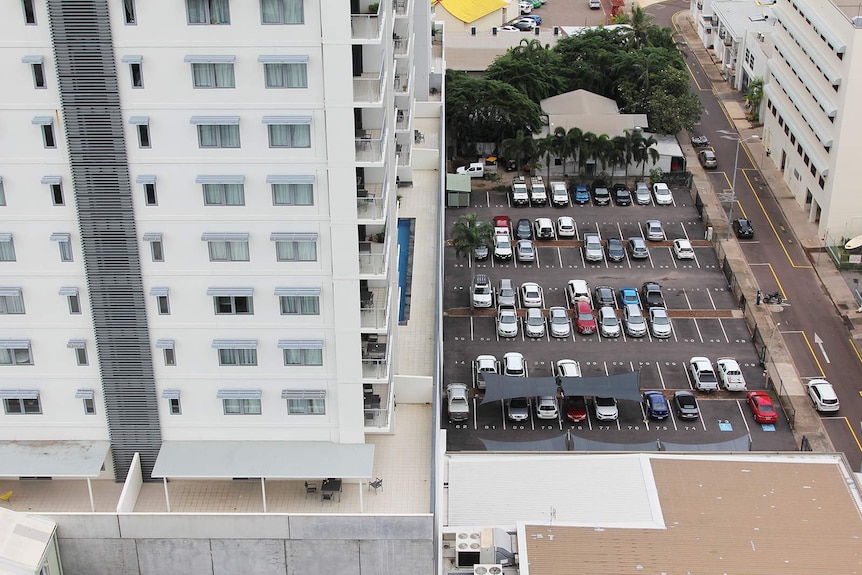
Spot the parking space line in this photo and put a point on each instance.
(536, 254)
(744, 419)
(560, 256)
(660, 375)
(471, 328)
(685, 295)
(721, 325)
(697, 327)
(712, 301)
(688, 379)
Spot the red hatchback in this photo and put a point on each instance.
(503, 222)
(576, 409)
(585, 321)
(761, 407)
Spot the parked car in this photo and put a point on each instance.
(601, 196)
(525, 7)
(507, 321)
(567, 368)
(823, 395)
(457, 405)
(685, 405)
(506, 294)
(481, 290)
(742, 228)
(513, 364)
(524, 230)
(682, 249)
(629, 296)
(524, 25)
(702, 374)
(606, 409)
(576, 408)
(582, 194)
(518, 409)
(651, 294)
(577, 290)
(707, 159)
(604, 297)
(659, 322)
(609, 324)
(535, 17)
(566, 227)
(559, 322)
(544, 228)
(762, 407)
(531, 295)
(584, 320)
(642, 195)
(485, 364)
(654, 231)
(622, 195)
(730, 374)
(662, 194)
(655, 405)
(634, 321)
(509, 28)
(595, 4)
(502, 247)
(637, 248)
(525, 251)
(546, 407)
(534, 323)
(481, 253)
(615, 250)
(559, 192)
(593, 248)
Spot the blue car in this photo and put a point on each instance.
(536, 18)
(629, 295)
(655, 405)
(582, 194)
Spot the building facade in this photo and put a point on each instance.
(197, 221)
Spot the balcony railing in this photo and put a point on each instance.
(402, 45)
(402, 82)
(402, 119)
(373, 258)
(370, 145)
(375, 309)
(401, 7)
(366, 26)
(367, 88)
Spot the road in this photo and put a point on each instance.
(814, 332)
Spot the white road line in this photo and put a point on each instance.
(660, 376)
(687, 301)
(744, 419)
(721, 325)
(697, 327)
(471, 328)
(712, 301)
(560, 257)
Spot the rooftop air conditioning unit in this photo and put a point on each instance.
(468, 547)
(487, 570)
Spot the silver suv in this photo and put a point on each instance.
(593, 251)
(505, 292)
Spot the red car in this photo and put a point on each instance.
(585, 321)
(576, 409)
(761, 407)
(503, 222)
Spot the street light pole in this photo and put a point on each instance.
(728, 135)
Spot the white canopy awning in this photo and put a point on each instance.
(60, 459)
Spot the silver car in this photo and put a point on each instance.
(506, 292)
(559, 320)
(637, 248)
(635, 322)
(642, 195)
(593, 251)
(654, 231)
(525, 250)
(659, 322)
(609, 324)
(507, 321)
(534, 324)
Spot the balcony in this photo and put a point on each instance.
(375, 360)
(370, 145)
(402, 151)
(367, 26)
(375, 302)
(370, 202)
(401, 7)
(378, 400)
(403, 120)
(402, 82)
(368, 88)
(373, 256)
(402, 45)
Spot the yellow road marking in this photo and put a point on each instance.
(856, 350)
(853, 433)
(811, 349)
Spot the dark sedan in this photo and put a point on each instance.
(622, 195)
(742, 228)
(615, 249)
(524, 229)
(605, 297)
(685, 405)
(655, 405)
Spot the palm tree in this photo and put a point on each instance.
(545, 148)
(561, 147)
(586, 150)
(575, 137)
(522, 147)
(469, 233)
(630, 138)
(603, 150)
(619, 157)
(645, 150)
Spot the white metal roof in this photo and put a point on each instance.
(269, 459)
(23, 540)
(52, 458)
(602, 490)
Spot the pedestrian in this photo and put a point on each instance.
(759, 296)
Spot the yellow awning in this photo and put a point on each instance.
(470, 10)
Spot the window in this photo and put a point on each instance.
(2, 194)
(7, 248)
(208, 11)
(149, 184)
(39, 75)
(228, 251)
(156, 251)
(302, 352)
(286, 75)
(29, 11)
(174, 406)
(300, 305)
(170, 358)
(80, 347)
(167, 347)
(57, 195)
(281, 12)
(292, 190)
(129, 12)
(233, 305)
(11, 301)
(22, 405)
(72, 298)
(64, 242)
(224, 194)
(89, 406)
(136, 71)
(211, 75)
(241, 406)
(306, 407)
(218, 136)
(46, 125)
(162, 301)
(289, 135)
(295, 247)
(144, 135)
(15, 352)
(242, 357)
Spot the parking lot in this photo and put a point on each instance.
(705, 322)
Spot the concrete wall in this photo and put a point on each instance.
(276, 544)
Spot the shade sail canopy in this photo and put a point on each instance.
(620, 386)
(739, 444)
(559, 443)
(499, 387)
(67, 459)
(584, 444)
(269, 459)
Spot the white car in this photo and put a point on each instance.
(485, 364)
(507, 321)
(546, 407)
(682, 249)
(606, 409)
(513, 364)
(568, 368)
(730, 374)
(662, 194)
(525, 250)
(534, 323)
(502, 247)
(702, 374)
(595, 4)
(508, 28)
(609, 324)
(559, 320)
(577, 290)
(659, 322)
(566, 227)
(531, 295)
(559, 194)
(527, 21)
(593, 251)
(544, 228)
(823, 395)
(525, 7)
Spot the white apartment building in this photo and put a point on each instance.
(810, 125)
(198, 219)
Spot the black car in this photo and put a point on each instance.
(742, 228)
(651, 295)
(615, 249)
(601, 196)
(685, 405)
(622, 195)
(524, 26)
(524, 229)
(604, 297)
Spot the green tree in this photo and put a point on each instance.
(673, 107)
(644, 150)
(468, 233)
(575, 138)
(754, 95)
(545, 149)
(522, 147)
(529, 67)
(561, 146)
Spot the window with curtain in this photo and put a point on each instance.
(208, 11)
(282, 12)
(289, 136)
(19, 406)
(300, 305)
(286, 75)
(12, 304)
(296, 251)
(228, 251)
(19, 356)
(212, 75)
(241, 406)
(306, 407)
(303, 357)
(218, 136)
(293, 194)
(7, 251)
(224, 194)
(233, 305)
(237, 357)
